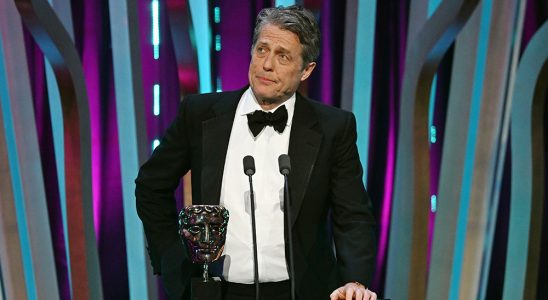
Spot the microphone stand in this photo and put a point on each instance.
(254, 232)
(287, 205)
(285, 169)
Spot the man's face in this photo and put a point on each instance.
(204, 230)
(276, 67)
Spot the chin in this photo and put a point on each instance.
(261, 93)
(267, 95)
(262, 89)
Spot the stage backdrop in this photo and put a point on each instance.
(449, 97)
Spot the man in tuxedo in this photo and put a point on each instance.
(210, 137)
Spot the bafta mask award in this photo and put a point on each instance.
(203, 229)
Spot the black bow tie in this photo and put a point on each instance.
(260, 119)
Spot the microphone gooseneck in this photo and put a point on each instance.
(285, 169)
(249, 170)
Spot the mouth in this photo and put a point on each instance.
(207, 248)
(265, 79)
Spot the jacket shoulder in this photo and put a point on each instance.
(326, 112)
(209, 99)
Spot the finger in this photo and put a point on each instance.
(349, 293)
(360, 295)
(335, 295)
(373, 295)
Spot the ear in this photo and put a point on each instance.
(308, 70)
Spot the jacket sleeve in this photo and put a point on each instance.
(353, 221)
(155, 186)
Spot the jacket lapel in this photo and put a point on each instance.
(304, 144)
(216, 135)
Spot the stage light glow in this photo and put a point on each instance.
(156, 28)
(156, 94)
(433, 203)
(217, 42)
(219, 84)
(155, 144)
(285, 3)
(217, 14)
(433, 132)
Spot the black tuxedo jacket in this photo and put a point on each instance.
(326, 176)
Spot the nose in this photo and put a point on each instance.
(205, 236)
(268, 63)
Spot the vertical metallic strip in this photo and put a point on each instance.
(492, 211)
(474, 117)
(12, 276)
(349, 56)
(400, 239)
(55, 42)
(363, 76)
(2, 293)
(202, 35)
(453, 159)
(63, 10)
(485, 149)
(24, 161)
(132, 138)
(56, 115)
(407, 261)
(357, 81)
(432, 6)
(528, 146)
(357, 85)
(418, 14)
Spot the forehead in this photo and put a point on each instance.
(277, 37)
(205, 219)
(203, 214)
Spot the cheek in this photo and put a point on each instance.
(254, 65)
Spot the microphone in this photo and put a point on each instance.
(249, 165)
(249, 170)
(285, 164)
(285, 169)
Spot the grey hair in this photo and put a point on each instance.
(296, 19)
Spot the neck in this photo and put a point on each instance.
(269, 104)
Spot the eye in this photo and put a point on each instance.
(284, 58)
(261, 50)
(194, 229)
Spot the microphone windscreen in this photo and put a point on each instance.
(285, 164)
(249, 165)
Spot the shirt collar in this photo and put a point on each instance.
(249, 104)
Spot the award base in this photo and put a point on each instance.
(206, 290)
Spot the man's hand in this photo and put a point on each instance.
(353, 290)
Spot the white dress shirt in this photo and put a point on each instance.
(268, 187)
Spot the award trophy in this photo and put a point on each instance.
(203, 229)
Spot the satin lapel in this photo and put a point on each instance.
(304, 144)
(216, 135)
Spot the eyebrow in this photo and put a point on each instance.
(278, 49)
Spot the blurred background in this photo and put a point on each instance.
(449, 98)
